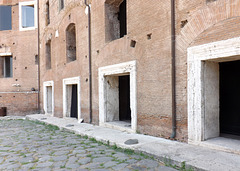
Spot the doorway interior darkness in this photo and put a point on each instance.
(124, 98)
(230, 97)
(74, 102)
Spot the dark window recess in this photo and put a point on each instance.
(6, 65)
(47, 13)
(122, 17)
(61, 4)
(124, 98)
(36, 59)
(133, 43)
(229, 97)
(208, 1)
(5, 18)
(71, 42)
(48, 55)
(116, 19)
(183, 23)
(28, 16)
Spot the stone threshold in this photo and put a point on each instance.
(221, 143)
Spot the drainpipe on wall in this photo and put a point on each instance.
(39, 110)
(173, 53)
(90, 61)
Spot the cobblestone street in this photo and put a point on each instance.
(27, 145)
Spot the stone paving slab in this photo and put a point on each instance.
(200, 158)
(29, 145)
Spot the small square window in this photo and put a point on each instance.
(28, 15)
(6, 65)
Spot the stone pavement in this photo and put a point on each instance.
(193, 156)
(28, 145)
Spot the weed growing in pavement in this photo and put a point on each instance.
(25, 163)
(33, 167)
(47, 126)
(63, 167)
(85, 137)
(168, 163)
(93, 140)
(89, 155)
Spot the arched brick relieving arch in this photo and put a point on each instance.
(204, 18)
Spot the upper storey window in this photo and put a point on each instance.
(28, 15)
(71, 42)
(47, 14)
(61, 4)
(5, 17)
(115, 19)
(6, 67)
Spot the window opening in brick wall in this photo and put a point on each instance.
(61, 4)
(48, 55)
(208, 1)
(71, 42)
(5, 17)
(6, 65)
(28, 16)
(47, 14)
(115, 19)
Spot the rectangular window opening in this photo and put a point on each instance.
(47, 14)
(71, 43)
(28, 16)
(6, 64)
(61, 4)
(48, 55)
(5, 17)
(115, 19)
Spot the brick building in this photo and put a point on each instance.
(18, 57)
(140, 72)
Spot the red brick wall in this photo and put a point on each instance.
(19, 104)
(206, 22)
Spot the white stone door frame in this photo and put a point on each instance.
(45, 96)
(203, 86)
(71, 81)
(118, 70)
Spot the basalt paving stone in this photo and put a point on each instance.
(28, 145)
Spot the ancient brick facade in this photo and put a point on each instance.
(142, 52)
(149, 27)
(16, 91)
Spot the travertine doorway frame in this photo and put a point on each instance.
(203, 86)
(69, 82)
(127, 68)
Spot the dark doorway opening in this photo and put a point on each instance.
(74, 102)
(230, 97)
(124, 98)
(122, 17)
